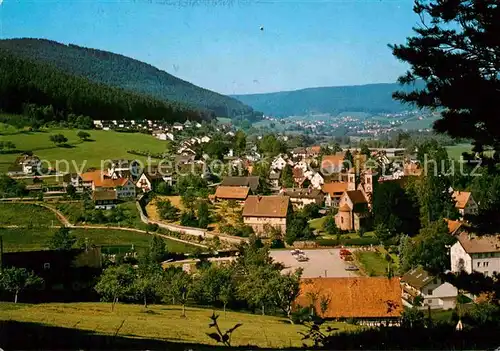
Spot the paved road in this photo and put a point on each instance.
(322, 262)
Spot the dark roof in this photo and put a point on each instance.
(417, 278)
(251, 181)
(356, 197)
(104, 195)
(266, 206)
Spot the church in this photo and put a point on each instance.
(356, 202)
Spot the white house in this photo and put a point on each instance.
(476, 253)
(317, 181)
(97, 123)
(177, 126)
(25, 165)
(205, 139)
(278, 163)
(423, 290)
(123, 168)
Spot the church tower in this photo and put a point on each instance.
(351, 180)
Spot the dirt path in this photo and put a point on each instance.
(65, 222)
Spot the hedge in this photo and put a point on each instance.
(349, 242)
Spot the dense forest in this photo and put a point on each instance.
(24, 82)
(124, 72)
(371, 98)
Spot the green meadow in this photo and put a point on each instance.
(103, 145)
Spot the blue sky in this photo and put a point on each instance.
(218, 44)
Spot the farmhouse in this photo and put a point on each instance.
(465, 203)
(429, 290)
(301, 197)
(105, 199)
(260, 211)
(123, 168)
(149, 180)
(369, 300)
(473, 253)
(252, 182)
(25, 165)
(231, 193)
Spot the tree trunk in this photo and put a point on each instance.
(15, 296)
(183, 310)
(289, 315)
(113, 304)
(263, 310)
(225, 309)
(145, 301)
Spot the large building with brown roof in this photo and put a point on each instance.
(473, 253)
(231, 193)
(366, 299)
(261, 211)
(332, 164)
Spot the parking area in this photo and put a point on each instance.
(320, 263)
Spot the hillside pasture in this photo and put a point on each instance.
(104, 145)
(27, 239)
(161, 322)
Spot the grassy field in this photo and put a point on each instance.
(372, 263)
(317, 223)
(26, 215)
(104, 145)
(162, 322)
(26, 239)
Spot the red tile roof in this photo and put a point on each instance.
(334, 188)
(461, 198)
(359, 297)
(356, 197)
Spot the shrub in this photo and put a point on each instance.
(152, 227)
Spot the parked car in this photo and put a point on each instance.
(351, 268)
(302, 258)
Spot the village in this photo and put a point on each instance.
(314, 206)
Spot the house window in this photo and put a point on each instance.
(341, 219)
(429, 292)
(479, 264)
(46, 265)
(485, 264)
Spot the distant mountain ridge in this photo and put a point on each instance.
(123, 72)
(369, 98)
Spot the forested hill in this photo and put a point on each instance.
(26, 83)
(124, 72)
(371, 98)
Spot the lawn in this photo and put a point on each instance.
(104, 145)
(26, 239)
(372, 263)
(162, 322)
(26, 215)
(317, 223)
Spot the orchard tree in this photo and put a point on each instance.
(455, 52)
(147, 282)
(116, 282)
(16, 280)
(285, 290)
